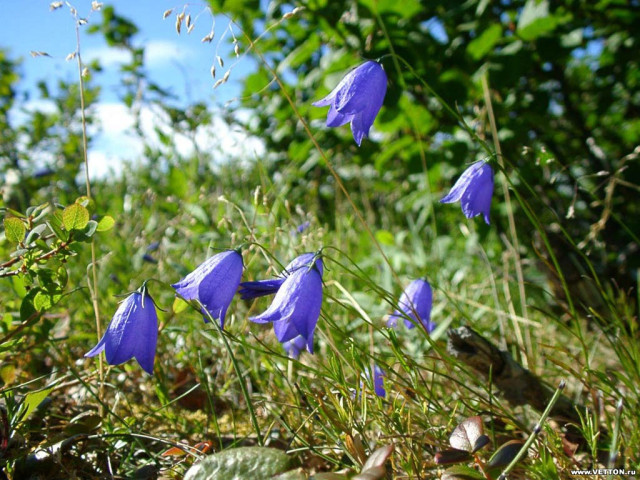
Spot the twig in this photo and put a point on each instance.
(517, 384)
(44, 256)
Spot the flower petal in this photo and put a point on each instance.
(97, 349)
(357, 99)
(213, 283)
(337, 119)
(416, 299)
(328, 100)
(217, 288)
(259, 288)
(119, 340)
(294, 347)
(285, 330)
(360, 88)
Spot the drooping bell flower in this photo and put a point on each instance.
(417, 298)
(260, 288)
(213, 284)
(473, 189)
(132, 333)
(378, 381)
(296, 307)
(303, 226)
(295, 346)
(357, 99)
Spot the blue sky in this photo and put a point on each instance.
(173, 61)
(178, 63)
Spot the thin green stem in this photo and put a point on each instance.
(510, 216)
(457, 115)
(423, 157)
(535, 433)
(613, 449)
(236, 367)
(327, 162)
(93, 282)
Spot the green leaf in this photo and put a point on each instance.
(535, 20)
(572, 39)
(75, 217)
(245, 463)
(461, 472)
(14, 229)
(106, 223)
(55, 224)
(35, 233)
(505, 454)
(385, 237)
(179, 305)
(405, 8)
(238, 7)
(18, 284)
(90, 228)
(15, 213)
(37, 211)
(8, 373)
(297, 474)
(82, 424)
(197, 212)
(27, 309)
(178, 182)
(86, 202)
(32, 400)
(302, 53)
(44, 301)
(63, 276)
(483, 44)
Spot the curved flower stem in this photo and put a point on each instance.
(512, 224)
(423, 157)
(93, 282)
(236, 367)
(457, 115)
(332, 170)
(534, 434)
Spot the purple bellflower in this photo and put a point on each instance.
(294, 346)
(473, 189)
(213, 284)
(132, 333)
(357, 99)
(378, 381)
(260, 288)
(296, 307)
(416, 299)
(303, 226)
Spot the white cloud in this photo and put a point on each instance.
(159, 53)
(117, 142)
(19, 114)
(107, 56)
(103, 164)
